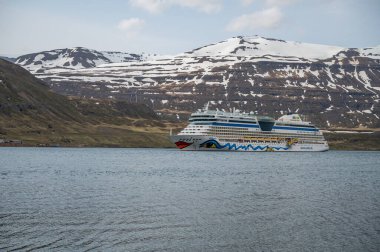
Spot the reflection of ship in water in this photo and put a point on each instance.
(217, 130)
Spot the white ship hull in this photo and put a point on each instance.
(207, 143)
(215, 130)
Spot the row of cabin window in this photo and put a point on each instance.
(229, 132)
(233, 129)
(251, 122)
(285, 136)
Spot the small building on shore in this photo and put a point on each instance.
(10, 142)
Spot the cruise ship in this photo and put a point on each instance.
(235, 131)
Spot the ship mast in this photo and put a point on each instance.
(206, 106)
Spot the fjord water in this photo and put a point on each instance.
(163, 199)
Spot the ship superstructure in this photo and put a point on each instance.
(235, 131)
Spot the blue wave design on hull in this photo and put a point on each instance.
(212, 143)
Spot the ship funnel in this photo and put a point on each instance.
(266, 123)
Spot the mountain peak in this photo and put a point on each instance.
(257, 46)
(72, 58)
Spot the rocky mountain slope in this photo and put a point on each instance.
(332, 86)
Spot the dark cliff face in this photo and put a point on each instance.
(341, 90)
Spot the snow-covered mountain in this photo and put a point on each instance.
(334, 86)
(59, 60)
(266, 47)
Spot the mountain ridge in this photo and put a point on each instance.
(339, 88)
(72, 58)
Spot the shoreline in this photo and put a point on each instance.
(167, 148)
(338, 140)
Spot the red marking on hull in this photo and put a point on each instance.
(181, 144)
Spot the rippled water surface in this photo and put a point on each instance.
(168, 200)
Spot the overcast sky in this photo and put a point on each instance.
(175, 26)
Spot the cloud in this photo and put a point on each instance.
(207, 6)
(270, 3)
(268, 18)
(131, 25)
(247, 2)
(152, 6)
(158, 6)
(279, 2)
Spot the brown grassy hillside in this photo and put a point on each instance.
(33, 114)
